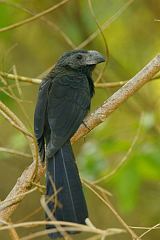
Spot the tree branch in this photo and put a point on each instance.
(112, 103)
(93, 120)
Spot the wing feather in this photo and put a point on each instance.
(40, 116)
(66, 109)
(40, 110)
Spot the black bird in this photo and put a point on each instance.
(63, 102)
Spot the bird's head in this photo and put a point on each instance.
(80, 59)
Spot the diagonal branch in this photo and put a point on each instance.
(112, 103)
(93, 120)
(35, 17)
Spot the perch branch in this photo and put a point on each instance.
(93, 120)
(113, 102)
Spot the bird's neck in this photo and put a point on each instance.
(87, 73)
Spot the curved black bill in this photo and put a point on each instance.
(94, 57)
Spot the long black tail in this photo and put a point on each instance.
(64, 189)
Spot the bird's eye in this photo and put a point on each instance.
(79, 56)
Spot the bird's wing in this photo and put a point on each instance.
(67, 107)
(40, 110)
(40, 115)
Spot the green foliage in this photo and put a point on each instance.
(5, 13)
(92, 160)
(142, 165)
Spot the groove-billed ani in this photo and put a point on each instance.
(63, 102)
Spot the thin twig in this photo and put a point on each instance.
(9, 202)
(96, 33)
(48, 22)
(106, 24)
(10, 95)
(20, 78)
(13, 119)
(58, 227)
(17, 82)
(12, 232)
(145, 228)
(152, 228)
(44, 222)
(68, 226)
(19, 101)
(104, 40)
(31, 19)
(105, 233)
(94, 237)
(31, 214)
(97, 187)
(129, 230)
(15, 152)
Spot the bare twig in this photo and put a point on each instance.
(20, 78)
(110, 84)
(31, 19)
(96, 33)
(129, 230)
(10, 95)
(104, 40)
(33, 213)
(21, 187)
(146, 228)
(95, 237)
(15, 152)
(106, 24)
(9, 202)
(17, 82)
(104, 234)
(92, 121)
(59, 228)
(68, 226)
(12, 232)
(12, 118)
(48, 22)
(149, 230)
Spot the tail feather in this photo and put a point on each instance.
(69, 203)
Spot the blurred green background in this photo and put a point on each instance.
(133, 39)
